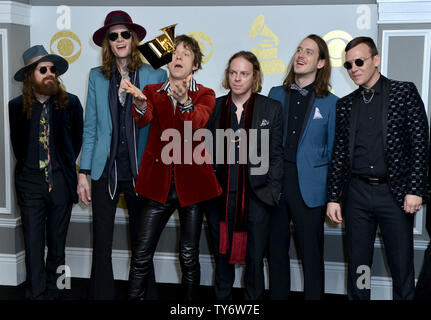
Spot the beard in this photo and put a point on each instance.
(47, 87)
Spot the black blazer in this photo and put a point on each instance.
(267, 114)
(67, 126)
(405, 134)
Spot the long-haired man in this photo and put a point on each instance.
(46, 134)
(112, 143)
(308, 137)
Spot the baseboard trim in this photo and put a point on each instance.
(10, 222)
(167, 267)
(12, 268)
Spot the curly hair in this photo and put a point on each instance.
(108, 58)
(28, 95)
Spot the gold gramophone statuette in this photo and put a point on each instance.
(159, 51)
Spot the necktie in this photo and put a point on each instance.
(302, 91)
(44, 157)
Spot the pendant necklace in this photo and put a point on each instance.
(367, 101)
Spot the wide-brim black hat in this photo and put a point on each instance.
(114, 18)
(36, 54)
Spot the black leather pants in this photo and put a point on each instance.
(150, 224)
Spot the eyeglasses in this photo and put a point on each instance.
(44, 69)
(358, 62)
(124, 34)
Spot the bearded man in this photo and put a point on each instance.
(46, 133)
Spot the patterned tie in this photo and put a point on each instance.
(44, 158)
(302, 91)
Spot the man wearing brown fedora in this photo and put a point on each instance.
(112, 143)
(46, 135)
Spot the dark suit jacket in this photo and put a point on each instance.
(66, 131)
(405, 132)
(267, 114)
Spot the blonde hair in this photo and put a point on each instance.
(257, 72)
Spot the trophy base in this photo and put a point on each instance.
(152, 58)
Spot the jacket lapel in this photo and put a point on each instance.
(385, 107)
(308, 119)
(255, 123)
(285, 115)
(218, 111)
(354, 106)
(143, 78)
(56, 119)
(103, 91)
(256, 117)
(164, 106)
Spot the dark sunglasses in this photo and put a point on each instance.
(44, 69)
(114, 35)
(358, 62)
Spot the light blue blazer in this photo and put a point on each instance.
(315, 143)
(98, 123)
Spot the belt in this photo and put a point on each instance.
(370, 180)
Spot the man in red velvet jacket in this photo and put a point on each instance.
(173, 108)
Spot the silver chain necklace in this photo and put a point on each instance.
(367, 101)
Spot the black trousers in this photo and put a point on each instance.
(102, 286)
(257, 238)
(308, 232)
(43, 214)
(365, 207)
(150, 223)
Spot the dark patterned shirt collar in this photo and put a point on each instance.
(378, 86)
(167, 86)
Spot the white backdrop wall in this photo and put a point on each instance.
(272, 32)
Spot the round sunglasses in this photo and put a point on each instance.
(358, 62)
(44, 69)
(124, 34)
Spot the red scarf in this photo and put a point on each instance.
(239, 240)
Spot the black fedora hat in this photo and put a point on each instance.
(33, 55)
(115, 18)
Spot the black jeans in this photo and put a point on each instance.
(43, 211)
(102, 286)
(150, 224)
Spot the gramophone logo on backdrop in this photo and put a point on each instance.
(266, 52)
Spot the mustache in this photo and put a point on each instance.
(49, 78)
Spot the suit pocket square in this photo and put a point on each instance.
(317, 114)
(264, 123)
